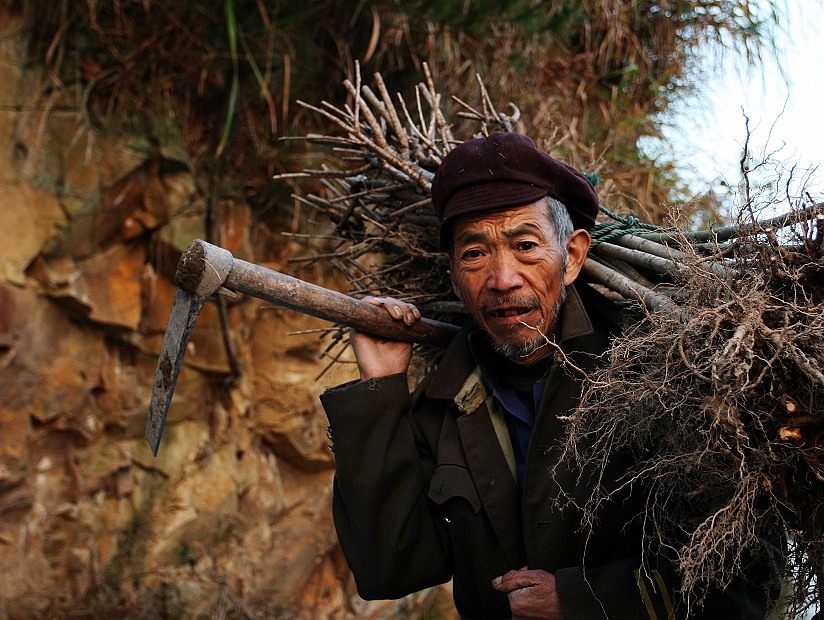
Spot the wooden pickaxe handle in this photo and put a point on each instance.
(205, 268)
(295, 294)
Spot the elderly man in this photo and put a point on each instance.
(461, 479)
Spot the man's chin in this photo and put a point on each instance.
(518, 350)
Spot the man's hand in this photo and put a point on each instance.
(531, 593)
(379, 357)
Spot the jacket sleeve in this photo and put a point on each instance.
(393, 542)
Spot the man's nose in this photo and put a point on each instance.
(505, 274)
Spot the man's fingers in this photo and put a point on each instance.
(375, 301)
(398, 310)
(515, 580)
(531, 593)
(411, 314)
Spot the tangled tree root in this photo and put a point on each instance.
(721, 408)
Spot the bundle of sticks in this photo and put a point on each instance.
(379, 204)
(718, 380)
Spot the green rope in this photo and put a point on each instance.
(606, 231)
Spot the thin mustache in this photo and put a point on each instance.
(530, 303)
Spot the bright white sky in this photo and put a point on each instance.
(783, 99)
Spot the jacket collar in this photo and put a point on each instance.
(457, 363)
(575, 322)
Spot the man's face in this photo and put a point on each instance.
(509, 270)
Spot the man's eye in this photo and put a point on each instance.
(526, 245)
(470, 254)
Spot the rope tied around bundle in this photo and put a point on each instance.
(620, 226)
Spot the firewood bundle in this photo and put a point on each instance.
(717, 383)
(385, 231)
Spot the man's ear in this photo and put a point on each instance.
(577, 248)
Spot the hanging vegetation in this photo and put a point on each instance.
(592, 76)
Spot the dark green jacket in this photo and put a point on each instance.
(424, 492)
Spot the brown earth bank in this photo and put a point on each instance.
(232, 518)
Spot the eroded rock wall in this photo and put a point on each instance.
(232, 518)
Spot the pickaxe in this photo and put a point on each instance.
(204, 269)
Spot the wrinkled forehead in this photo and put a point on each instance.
(502, 224)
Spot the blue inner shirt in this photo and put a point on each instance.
(518, 388)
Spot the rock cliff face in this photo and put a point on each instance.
(232, 518)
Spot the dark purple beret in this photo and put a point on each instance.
(506, 170)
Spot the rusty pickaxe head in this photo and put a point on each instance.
(201, 272)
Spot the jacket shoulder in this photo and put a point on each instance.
(607, 315)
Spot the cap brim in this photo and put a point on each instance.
(485, 198)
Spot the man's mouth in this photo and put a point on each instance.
(502, 313)
(510, 308)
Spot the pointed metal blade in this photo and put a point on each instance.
(185, 310)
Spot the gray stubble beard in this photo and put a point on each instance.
(517, 351)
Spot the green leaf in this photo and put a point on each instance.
(231, 28)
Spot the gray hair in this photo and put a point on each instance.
(560, 219)
(561, 222)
